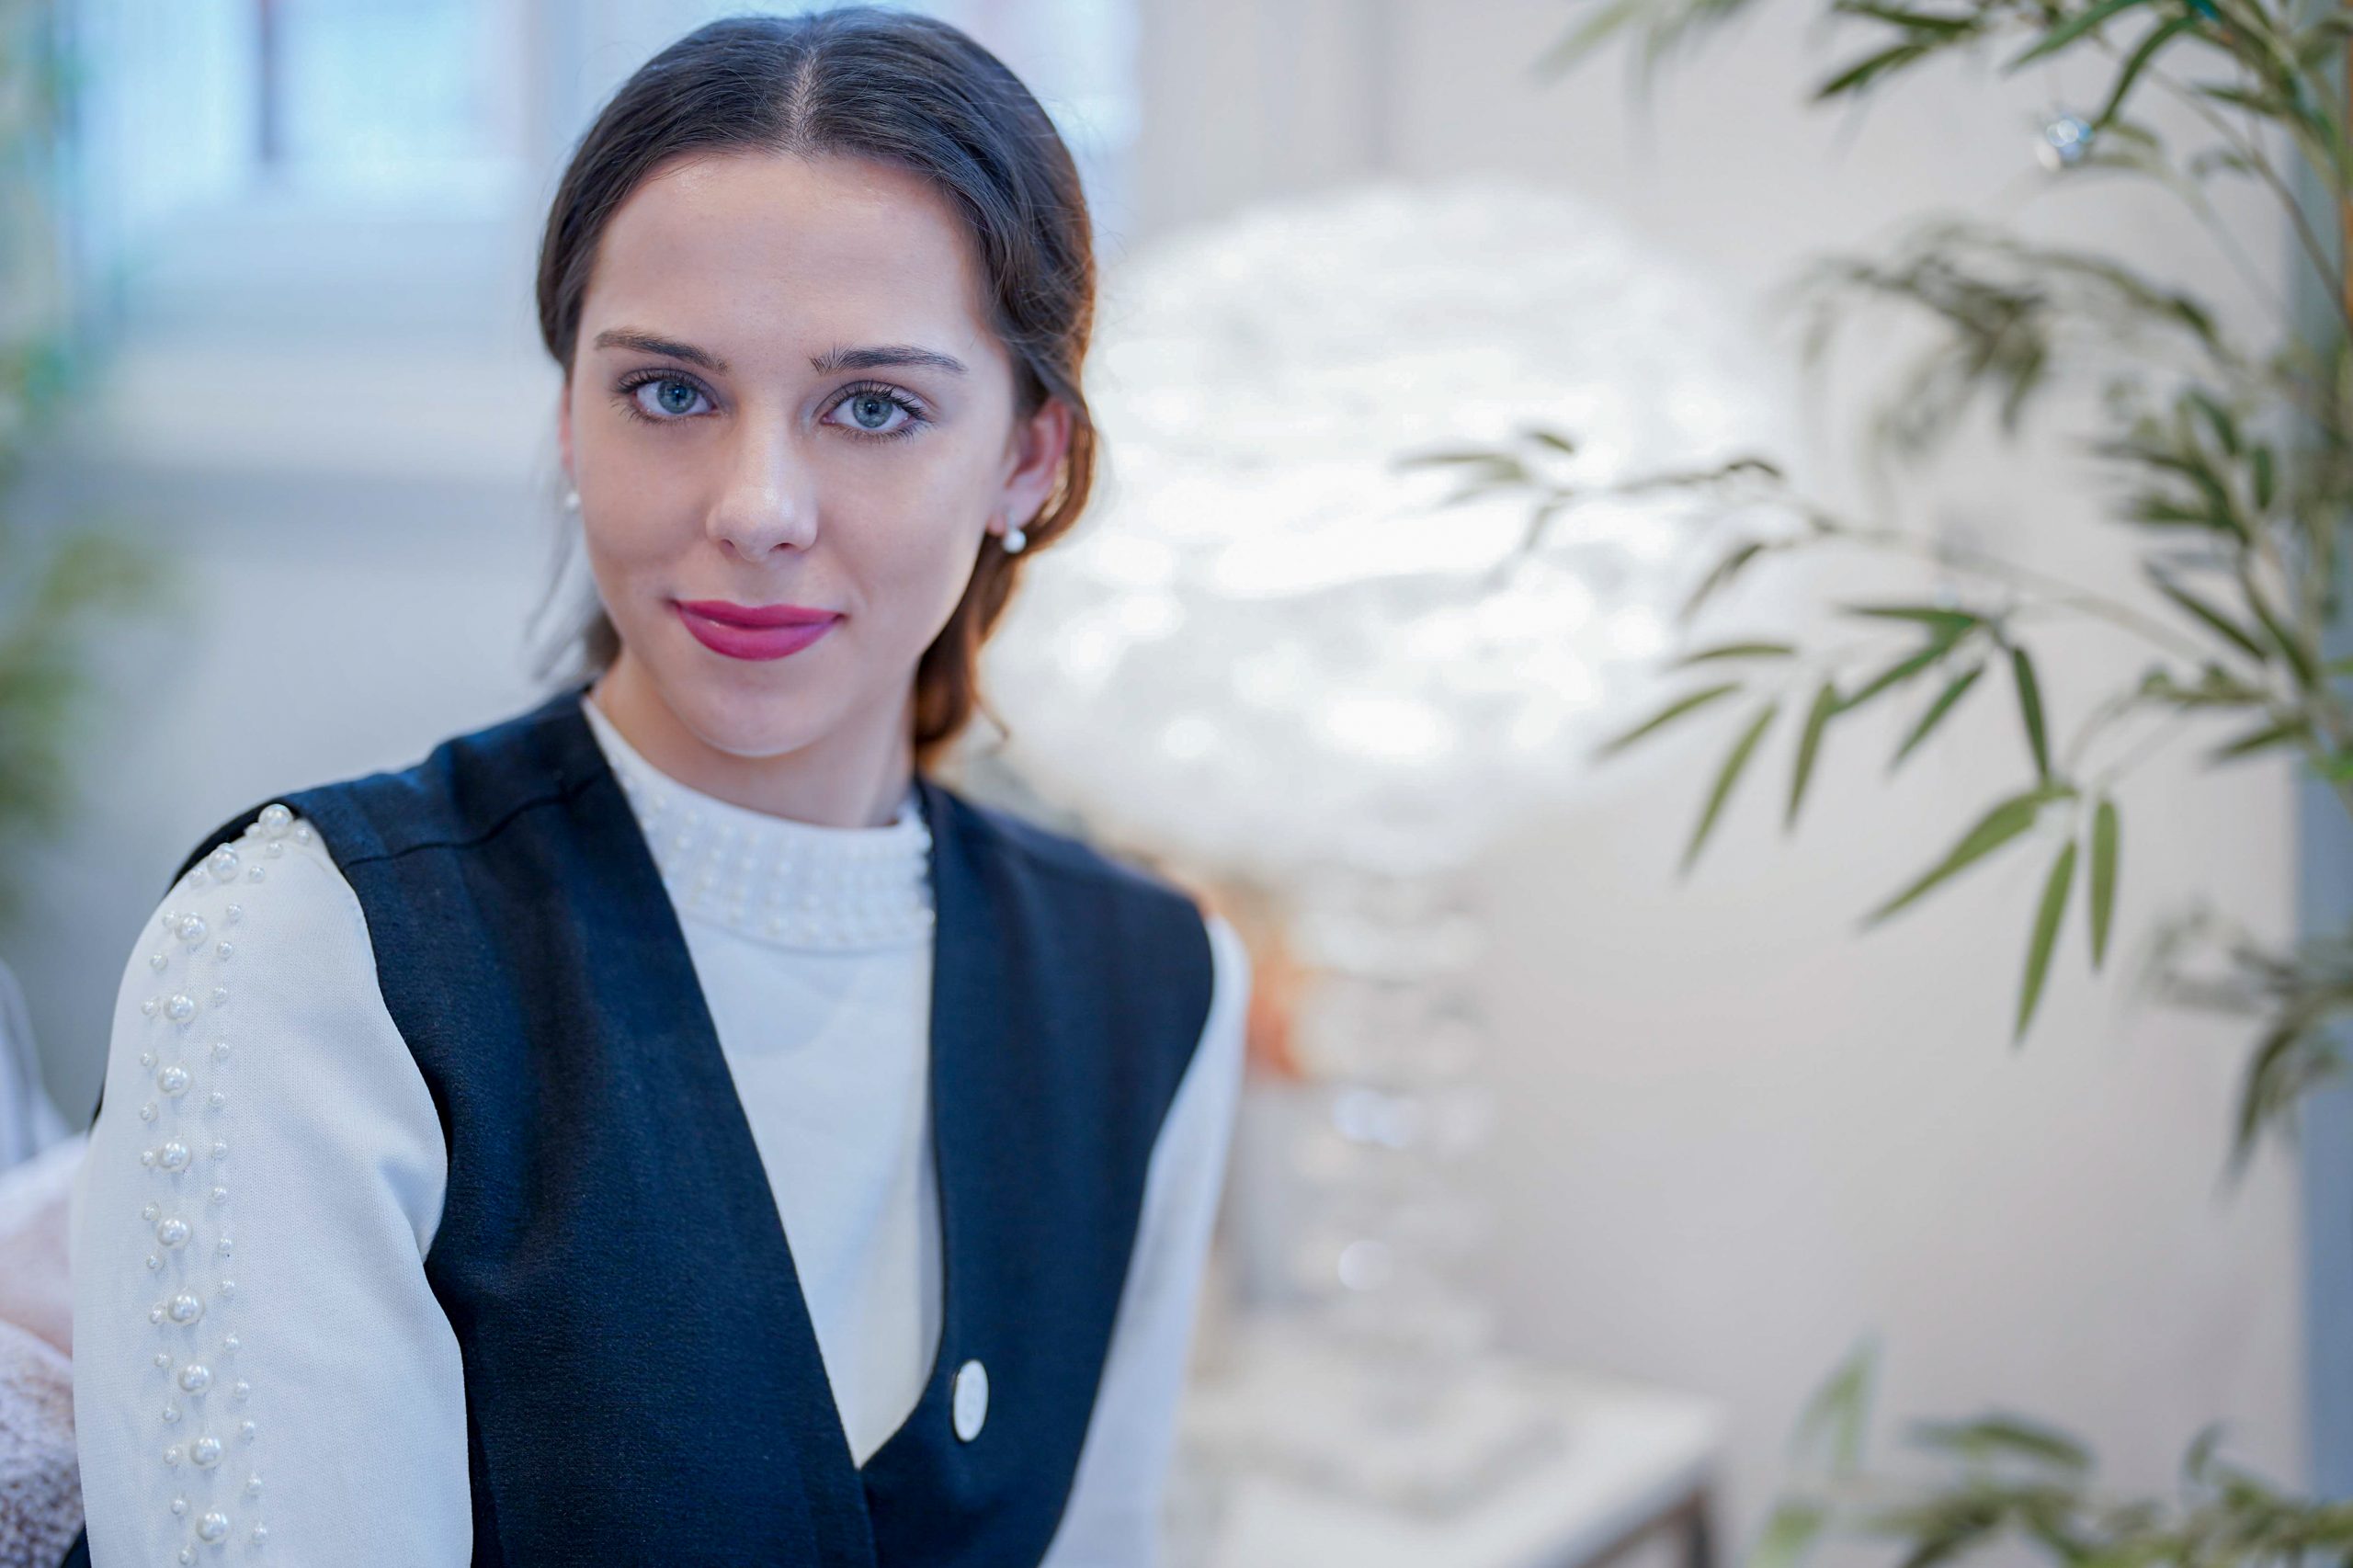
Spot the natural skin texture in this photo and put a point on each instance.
(862, 490)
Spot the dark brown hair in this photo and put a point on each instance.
(898, 88)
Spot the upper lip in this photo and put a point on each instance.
(733, 614)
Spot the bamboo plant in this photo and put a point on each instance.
(56, 580)
(2233, 462)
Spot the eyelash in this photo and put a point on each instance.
(917, 416)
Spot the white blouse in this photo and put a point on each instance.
(252, 1057)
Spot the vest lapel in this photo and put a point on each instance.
(726, 1183)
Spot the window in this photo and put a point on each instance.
(379, 167)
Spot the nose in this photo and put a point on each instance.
(767, 498)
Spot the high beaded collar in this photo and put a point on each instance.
(775, 879)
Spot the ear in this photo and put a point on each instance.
(1034, 457)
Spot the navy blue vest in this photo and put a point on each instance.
(643, 1382)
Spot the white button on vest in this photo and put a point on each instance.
(970, 1400)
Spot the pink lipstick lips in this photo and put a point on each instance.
(753, 632)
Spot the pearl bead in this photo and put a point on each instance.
(173, 1155)
(220, 1149)
(155, 1315)
(216, 1100)
(223, 950)
(223, 1247)
(149, 1006)
(254, 875)
(275, 818)
(179, 1505)
(220, 1195)
(233, 913)
(214, 1526)
(243, 1390)
(273, 850)
(222, 862)
(220, 1050)
(205, 1450)
(172, 1233)
(157, 960)
(195, 1377)
(228, 1288)
(146, 1156)
(147, 1111)
(172, 1080)
(166, 916)
(150, 1211)
(146, 1059)
(171, 1412)
(172, 1454)
(186, 1308)
(186, 1556)
(303, 833)
(246, 1429)
(193, 929)
(253, 1488)
(163, 1358)
(180, 1008)
(219, 996)
(154, 1262)
(230, 1344)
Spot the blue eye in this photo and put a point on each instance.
(672, 406)
(871, 406)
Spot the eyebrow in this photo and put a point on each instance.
(824, 364)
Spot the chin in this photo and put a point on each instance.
(743, 720)
(744, 712)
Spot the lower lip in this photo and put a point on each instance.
(752, 641)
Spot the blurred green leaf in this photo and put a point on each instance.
(1718, 576)
(2047, 919)
(2284, 732)
(2031, 710)
(2214, 619)
(1723, 651)
(2003, 1436)
(1690, 703)
(1735, 762)
(2004, 822)
(1789, 1535)
(2105, 835)
(1955, 690)
(2074, 28)
(1827, 704)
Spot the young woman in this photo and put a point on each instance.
(668, 1125)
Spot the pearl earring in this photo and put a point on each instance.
(1015, 539)
(570, 500)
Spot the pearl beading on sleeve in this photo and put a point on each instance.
(204, 1404)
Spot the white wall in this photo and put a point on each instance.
(1736, 1135)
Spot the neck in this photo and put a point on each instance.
(855, 778)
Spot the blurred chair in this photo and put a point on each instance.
(41, 1478)
(28, 1119)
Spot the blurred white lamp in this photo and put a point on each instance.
(1269, 657)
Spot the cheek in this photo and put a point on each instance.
(915, 535)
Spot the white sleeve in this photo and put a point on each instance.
(257, 1353)
(1112, 1516)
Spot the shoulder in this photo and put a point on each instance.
(1018, 839)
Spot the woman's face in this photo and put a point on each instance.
(785, 393)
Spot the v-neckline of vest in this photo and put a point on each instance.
(960, 976)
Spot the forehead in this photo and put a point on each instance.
(752, 246)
